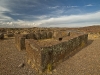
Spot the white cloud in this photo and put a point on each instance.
(72, 6)
(4, 9)
(53, 7)
(58, 12)
(89, 5)
(71, 21)
(61, 21)
(4, 17)
(22, 23)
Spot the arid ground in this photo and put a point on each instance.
(85, 61)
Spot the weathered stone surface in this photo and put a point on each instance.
(35, 36)
(44, 59)
(1, 36)
(21, 65)
(68, 34)
(59, 34)
(49, 35)
(20, 41)
(10, 34)
(43, 35)
(44, 55)
(33, 54)
(30, 36)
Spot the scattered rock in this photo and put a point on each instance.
(21, 65)
(68, 34)
(30, 72)
(54, 70)
(50, 73)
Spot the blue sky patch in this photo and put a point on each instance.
(49, 13)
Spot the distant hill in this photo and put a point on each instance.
(94, 28)
(88, 29)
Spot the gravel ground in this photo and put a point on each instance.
(12, 61)
(83, 62)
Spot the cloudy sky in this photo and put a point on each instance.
(49, 13)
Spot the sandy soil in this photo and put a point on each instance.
(12, 61)
(85, 61)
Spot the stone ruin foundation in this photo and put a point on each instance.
(47, 49)
(20, 38)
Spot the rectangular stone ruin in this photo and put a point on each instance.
(44, 55)
(20, 38)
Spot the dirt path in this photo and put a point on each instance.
(84, 62)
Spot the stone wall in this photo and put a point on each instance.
(44, 59)
(39, 35)
(33, 54)
(10, 34)
(20, 41)
(59, 34)
(20, 38)
(1, 35)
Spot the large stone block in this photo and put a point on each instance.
(37, 35)
(43, 35)
(49, 35)
(20, 41)
(60, 34)
(21, 44)
(33, 54)
(10, 34)
(1, 36)
(30, 36)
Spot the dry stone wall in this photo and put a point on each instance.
(59, 34)
(44, 59)
(20, 41)
(1, 36)
(40, 35)
(33, 54)
(20, 38)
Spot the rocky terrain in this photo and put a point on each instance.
(84, 61)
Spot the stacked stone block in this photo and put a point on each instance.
(20, 41)
(1, 36)
(10, 34)
(33, 54)
(44, 59)
(20, 38)
(60, 34)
